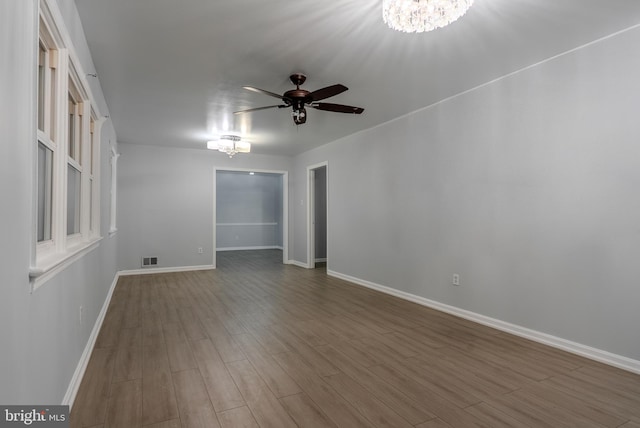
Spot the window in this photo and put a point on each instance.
(68, 154)
(94, 193)
(47, 65)
(45, 189)
(75, 141)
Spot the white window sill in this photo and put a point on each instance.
(49, 266)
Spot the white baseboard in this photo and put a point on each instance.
(297, 263)
(76, 379)
(145, 271)
(266, 247)
(605, 357)
(324, 259)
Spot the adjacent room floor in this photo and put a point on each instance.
(257, 343)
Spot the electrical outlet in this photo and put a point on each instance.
(200, 250)
(456, 279)
(81, 314)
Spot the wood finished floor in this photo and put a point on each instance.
(260, 344)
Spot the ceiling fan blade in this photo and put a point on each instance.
(262, 91)
(260, 108)
(327, 92)
(339, 108)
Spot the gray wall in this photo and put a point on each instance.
(248, 210)
(40, 334)
(165, 202)
(527, 187)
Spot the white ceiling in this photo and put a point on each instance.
(172, 70)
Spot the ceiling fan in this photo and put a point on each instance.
(298, 98)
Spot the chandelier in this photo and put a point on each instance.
(418, 16)
(229, 144)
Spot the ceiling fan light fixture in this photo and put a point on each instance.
(298, 98)
(230, 144)
(299, 116)
(419, 16)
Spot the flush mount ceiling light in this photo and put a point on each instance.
(418, 16)
(229, 144)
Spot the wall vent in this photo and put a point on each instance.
(149, 261)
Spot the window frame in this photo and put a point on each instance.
(93, 175)
(71, 125)
(48, 58)
(76, 140)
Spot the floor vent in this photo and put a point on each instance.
(149, 261)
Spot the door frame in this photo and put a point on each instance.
(311, 238)
(285, 206)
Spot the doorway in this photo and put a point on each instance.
(317, 215)
(250, 211)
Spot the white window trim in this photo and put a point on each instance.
(49, 267)
(113, 228)
(94, 175)
(79, 93)
(51, 257)
(49, 137)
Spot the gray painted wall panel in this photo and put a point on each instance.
(166, 202)
(526, 187)
(41, 336)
